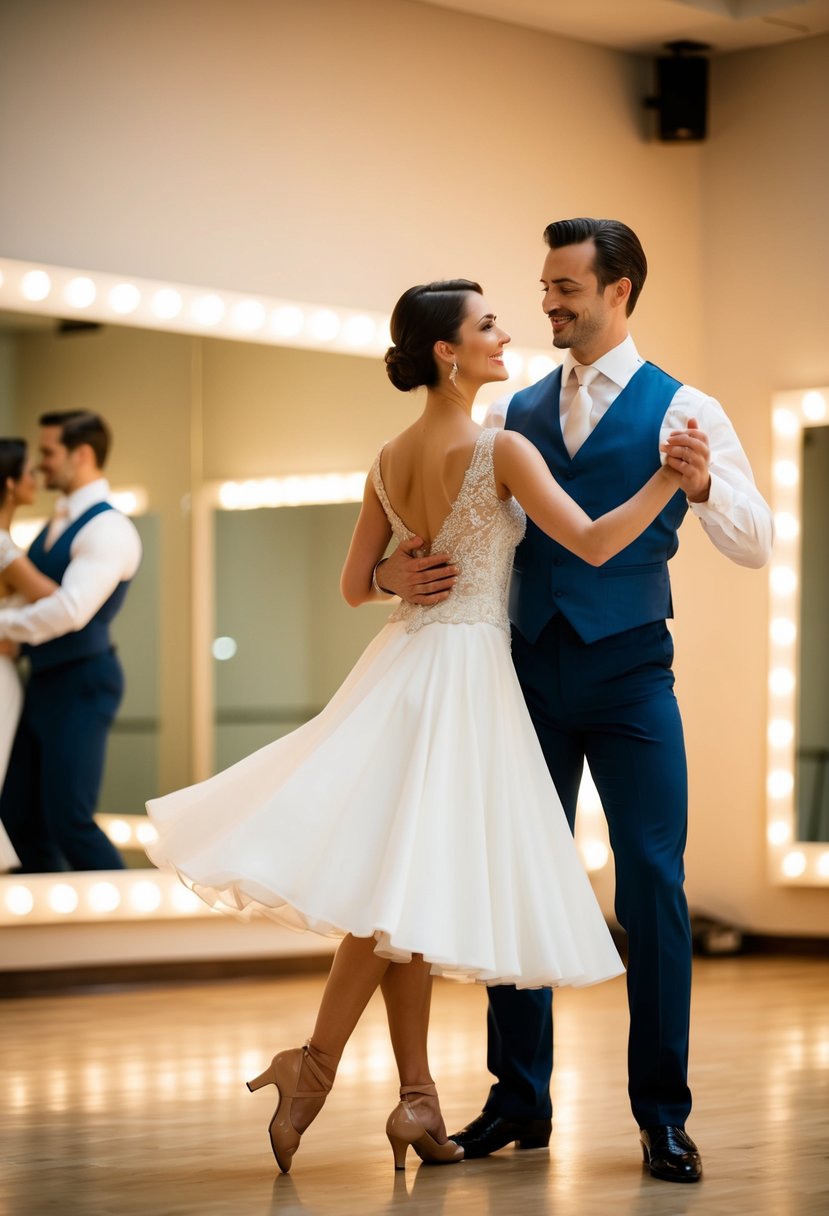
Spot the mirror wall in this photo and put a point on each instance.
(798, 726)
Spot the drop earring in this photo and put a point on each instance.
(453, 375)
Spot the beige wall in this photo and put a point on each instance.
(337, 152)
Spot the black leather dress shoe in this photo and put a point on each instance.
(670, 1154)
(489, 1132)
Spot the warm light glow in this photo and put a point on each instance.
(823, 865)
(36, 285)
(80, 292)
(183, 899)
(786, 472)
(781, 681)
(781, 732)
(780, 783)
(103, 897)
(119, 831)
(132, 502)
(145, 833)
(513, 363)
(19, 900)
(786, 525)
(794, 864)
(167, 303)
(358, 331)
(540, 366)
(294, 491)
(208, 310)
(248, 315)
(63, 898)
(783, 580)
(588, 802)
(324, 325)
(595, 854)
(287, 321)
(145, 896)
(783, 631)
(779, 832)
(814, 406)
(786, 422)
(24, 531)
(124, 298)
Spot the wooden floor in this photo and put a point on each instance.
(132, 1101)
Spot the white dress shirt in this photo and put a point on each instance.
(105, 552)
(736, 517)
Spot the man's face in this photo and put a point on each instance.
(580, 314)
(57, 463)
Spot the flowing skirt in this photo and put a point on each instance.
(11, 699)
(417, 809)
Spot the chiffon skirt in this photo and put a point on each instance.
(11, 700)
(417, 809)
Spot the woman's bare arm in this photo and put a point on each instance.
(23, 576)
(372, 533)
(521, 469)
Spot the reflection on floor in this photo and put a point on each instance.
(132, 1102)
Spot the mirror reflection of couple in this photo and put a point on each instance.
(418, 813)
(57, 603)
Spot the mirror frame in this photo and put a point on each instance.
(792, 862)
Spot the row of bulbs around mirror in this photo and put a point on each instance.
(192, 310)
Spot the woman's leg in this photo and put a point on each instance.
(407, 991)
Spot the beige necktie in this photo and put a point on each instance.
(577, 426)
(57, 523)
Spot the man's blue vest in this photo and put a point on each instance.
(94, 638)
(616, 459)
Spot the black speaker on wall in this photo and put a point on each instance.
(682, 93)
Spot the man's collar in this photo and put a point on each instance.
(81, 500)
(617, 364)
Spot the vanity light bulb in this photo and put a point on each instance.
(146, 834)
(786, 472)
(778, 832)
(80, 292)
(287, 322)
(124, 298)
(780, 783)
(781, 681)
(814, 406)
(785, 422)
(36, 285)
(119, 831)
(224, 649)
(781, 732)
(783, 580)
(63, 898)
(358, 331)
(166, 303)
(145, 896)
(325, 325)
(208, 310)
(249, 315)
(783, 631)
(19, 901)
(103, 897)
(794, 864)
(184, 900)
(786, 525)
(823, 865)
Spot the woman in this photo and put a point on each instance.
(415, 814)
(19, 581)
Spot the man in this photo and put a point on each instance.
(76, 682)
(593, 654)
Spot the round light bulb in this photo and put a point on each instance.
(124, 298)
(785, 422)
(63, 898)
(783, 631)
(325, 325)
(814, 406)
(80, 292)
(786, 472)
(780, 732)
(595, 854)
(35, 285)
(783, 580)
(787, 525)
(780, 783)
(794, 864)
(248, 315)
(781, 681)
(287, 321)
(119, 831)
(145, 896)
(103, 897)
(358, 331)
(166, 303)
(19, 901)
(224, 649)
(778, 832)
(208, 310)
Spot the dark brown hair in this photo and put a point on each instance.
(619, 254)
(424, 315)
(78, 427)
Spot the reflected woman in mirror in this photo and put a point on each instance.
(415, 817)
(20, 582)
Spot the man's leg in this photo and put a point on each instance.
(20, 802)
(83, 700)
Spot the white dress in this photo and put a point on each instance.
(11, 698)
(417, 807)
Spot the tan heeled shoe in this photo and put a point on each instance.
(405, 1127)
(284, 1072)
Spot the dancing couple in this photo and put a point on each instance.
(417, 816)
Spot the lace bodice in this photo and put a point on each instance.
(9, 552)
(480, 532)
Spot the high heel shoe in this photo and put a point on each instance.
(284, 1071)
(405, 1127)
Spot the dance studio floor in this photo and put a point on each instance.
(128, 1101)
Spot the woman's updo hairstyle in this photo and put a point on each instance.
(424, 315)
(12, 463)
